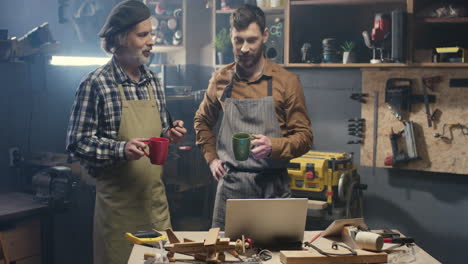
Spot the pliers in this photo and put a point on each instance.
(359, 97)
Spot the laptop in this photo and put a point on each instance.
(270, 223)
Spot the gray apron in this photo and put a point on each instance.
(130, 196)
(250, 179)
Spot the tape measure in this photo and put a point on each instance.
(145, 237)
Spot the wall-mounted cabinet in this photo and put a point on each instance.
(318, 29)
(438, 24)
(308, 25)
(168, 24)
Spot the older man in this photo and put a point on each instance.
(117, 107)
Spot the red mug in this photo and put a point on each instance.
(158, 148)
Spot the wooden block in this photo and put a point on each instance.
(316, 205)
(223, 241)
(309, 256)
(212, 237)
(22, 241)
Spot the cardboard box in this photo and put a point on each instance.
(22, 241)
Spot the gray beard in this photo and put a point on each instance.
(137, 58)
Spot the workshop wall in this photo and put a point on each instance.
(431, 207)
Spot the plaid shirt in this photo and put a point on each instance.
(96, 113)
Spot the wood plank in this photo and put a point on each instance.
(309, 256)
(455, 20)
(317, 205)
(347, 65)
(345, 2)
(440, 65)
(380, 65)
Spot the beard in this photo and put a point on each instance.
(136, 57)
(249, 60)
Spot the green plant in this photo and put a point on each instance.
(222, 40)
(348, 46)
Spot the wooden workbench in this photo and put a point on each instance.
(138, 251)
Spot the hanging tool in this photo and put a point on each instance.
(359, 97)
(458, 82)
(400, 157)
(357, 120)
(450, 127)
(399, 98)
(358, 141)
(426, 103)
(436, 115)
(430, 82)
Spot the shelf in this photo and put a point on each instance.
(217, 66)
(348, 65)
(379, 65)
(345, 2)
(439, 65)
(446, 20)
(270, 10)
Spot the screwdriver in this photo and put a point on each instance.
(399, 240)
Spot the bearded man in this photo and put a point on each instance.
(258, 97)
(116, 108)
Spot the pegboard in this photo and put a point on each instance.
(435, 154)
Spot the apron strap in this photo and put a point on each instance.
(270, 86)
(122, 94)
(150, 91)
(228, 90)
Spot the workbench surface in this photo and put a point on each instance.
(15, 205)
(138, 251)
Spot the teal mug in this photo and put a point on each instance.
(241, 145)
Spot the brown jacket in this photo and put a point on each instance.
(289, 105)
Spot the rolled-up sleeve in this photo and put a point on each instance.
(204, 121)
(84, 139)
(298, 139)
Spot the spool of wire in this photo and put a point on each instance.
(330, 50)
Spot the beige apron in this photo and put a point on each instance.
(130, 196)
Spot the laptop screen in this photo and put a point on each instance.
(268, 222)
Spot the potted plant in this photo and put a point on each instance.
(222, 43)
(348, 52)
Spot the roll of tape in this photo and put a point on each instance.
(369, 241)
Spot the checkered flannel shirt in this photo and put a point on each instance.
(96, 113)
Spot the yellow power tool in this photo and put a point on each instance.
(327, 176)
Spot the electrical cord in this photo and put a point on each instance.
(335, 247)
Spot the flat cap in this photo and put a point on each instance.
(123, 16)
